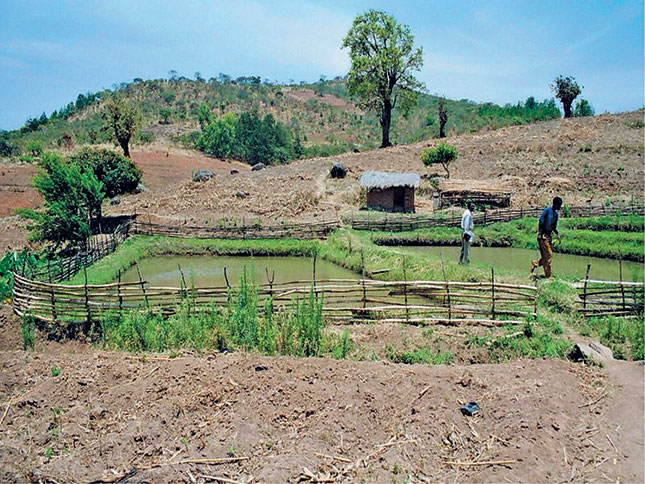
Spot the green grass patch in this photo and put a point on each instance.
(593, 236)
(424, 355)
(623, 335)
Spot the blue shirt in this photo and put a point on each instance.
(548, 221)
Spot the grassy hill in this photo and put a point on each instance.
(322, 115)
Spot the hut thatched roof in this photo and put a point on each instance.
(382, 180)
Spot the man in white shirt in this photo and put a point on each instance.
(467, 235)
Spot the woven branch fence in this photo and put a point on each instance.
(257, 230)
(400, 222)
(97, 247)
(610, 298)
(345, 300)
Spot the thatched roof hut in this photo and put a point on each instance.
(393, 192)
(383, 180)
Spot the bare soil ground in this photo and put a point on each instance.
(163, 169)
(111, 416)
(15, 189)
(584, 159)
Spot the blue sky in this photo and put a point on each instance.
(493, 50)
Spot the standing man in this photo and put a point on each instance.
(548, 225)
(467, 235)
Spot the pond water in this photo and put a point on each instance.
(208, 270)
(511, 259)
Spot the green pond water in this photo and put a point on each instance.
(511, 259)
(205, 271)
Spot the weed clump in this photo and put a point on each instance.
(296, 330)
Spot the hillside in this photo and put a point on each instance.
(589, 159)
(322, 115)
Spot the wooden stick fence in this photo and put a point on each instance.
(346, 301)
(97, 247)
(243, 231)
(610, 298)
(402, 222)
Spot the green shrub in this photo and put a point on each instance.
(443, 154)
(34, 148)
(117, 173)
(72, 199)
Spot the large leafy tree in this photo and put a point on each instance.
(383, 58)
(123, 121)
(72, 200)
(566, 90)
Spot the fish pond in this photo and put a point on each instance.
(509, 259)
(206, 270)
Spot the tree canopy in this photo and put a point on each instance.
(72, 199)
(583, 108)
(443, 154)
(383, 58)
(566, 90)
(123, 121)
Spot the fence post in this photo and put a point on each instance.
(584, 291)
(88, 323)
(118, 292)
(620, 271)
(270, 280)
(314, 270)
(363, 277)
(405, 291)
(443, 270)
(143, 286)
(51, 290)
(24, 261)
(492, 290)
(535, 300)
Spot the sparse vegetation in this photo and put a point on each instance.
(321, 128)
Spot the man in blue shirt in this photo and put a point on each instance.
(547, 226)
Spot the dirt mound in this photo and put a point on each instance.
(276, 419)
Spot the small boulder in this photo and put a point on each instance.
(234, 171)
(203, 175)
(241, 194)
(594, 351)
(141, 188)
(115, 201)
(338, 171)
(258, 166)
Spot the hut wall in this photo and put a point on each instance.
(409, 199)
(384, 199)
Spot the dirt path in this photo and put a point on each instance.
(628, 413)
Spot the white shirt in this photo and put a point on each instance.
(467, 224)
